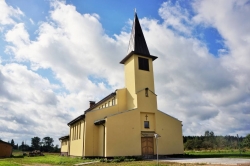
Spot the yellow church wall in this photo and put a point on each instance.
(170, 130)
(150, 117)
(144, 78)
(76, 139)
(64, 145)
(93, 141)
(101, 143)
(147, 104)
(130, 83)
(121, 99)
(123, 134)
(137, 80)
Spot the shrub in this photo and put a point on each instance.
(116, 160)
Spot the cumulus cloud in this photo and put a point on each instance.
(198, 87)
(8, 14)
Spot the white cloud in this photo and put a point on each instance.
(176, 17)
(8, 13)
(196, 86)
(31, 21)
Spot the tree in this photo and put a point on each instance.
(246, 141)
(24, 147)
(47, 144)
(35, 143)
(12, 142)
(57, 149)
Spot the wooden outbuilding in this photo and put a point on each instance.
(5, 149)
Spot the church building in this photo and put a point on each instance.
(127, 121)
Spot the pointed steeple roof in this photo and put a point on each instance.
(137, 42)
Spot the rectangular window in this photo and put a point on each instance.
(143, 64)
(146, 124)
(80, 131)
(113, 101)
(106, 104)
(76, 131)
(109, 103)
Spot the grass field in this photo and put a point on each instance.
(218, 154)
(49, 159)
(55, 159)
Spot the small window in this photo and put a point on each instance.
(109, 103)
(143, 64)
(113, 101)
(146, 124)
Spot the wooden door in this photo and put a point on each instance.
(147, 146)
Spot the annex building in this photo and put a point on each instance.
(125, 122)
(5, 149)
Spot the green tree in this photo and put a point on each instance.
(35, 143)
(12, 142)
(47, 144)
(246, 141)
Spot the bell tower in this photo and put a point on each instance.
(139, 75)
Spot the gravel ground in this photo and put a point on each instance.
(222, 161)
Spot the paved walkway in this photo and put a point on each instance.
(224, 161)
(86, 163)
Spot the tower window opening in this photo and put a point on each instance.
(143, 64)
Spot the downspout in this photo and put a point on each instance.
(103, 140)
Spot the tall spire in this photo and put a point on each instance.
(137, 41)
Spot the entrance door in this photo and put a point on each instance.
(147, 146)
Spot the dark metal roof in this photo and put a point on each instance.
(91, 108)
(137, 42)
(76, 119)
(99, 122)
(64, 137)
(5, 143)
(105, 98)
(133, 52)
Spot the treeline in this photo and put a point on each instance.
(44, 145)
(210, 141)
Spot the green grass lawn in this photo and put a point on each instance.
(217, 154)
(56, 159)
(50, 159)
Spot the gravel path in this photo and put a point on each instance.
(223, 161)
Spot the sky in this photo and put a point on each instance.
(56, 56)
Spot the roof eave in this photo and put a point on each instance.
(76, 119)
(64, 137)
(105, 98)
(140, 54)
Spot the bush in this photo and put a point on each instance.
(120, 158)
(116, 161)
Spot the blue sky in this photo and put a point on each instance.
(55, 56)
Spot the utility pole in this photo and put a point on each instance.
(156, 139)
